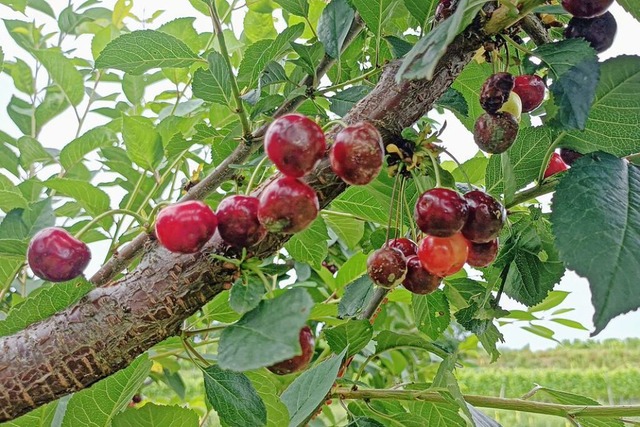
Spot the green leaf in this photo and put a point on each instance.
(53, 104)
(334, 25)
(364, 422)
(94, 200)
(214, 85)
(445, 379)
(13, 248)
(22, 75)
(31, 151)
(152, 415)
(566, 398)
(421, 10)
(353, 268)
(220, 310)
(1, 60)
(344, 100)
(46, 302)
(310, 246)
(454, 100)
(309, 390)
(76, 150)
(439, 415)
(274, 327)
(388, 340)
(631, 6)
(375, 13)
(234, 398)
(41, 417)
(349, 230)
(143, 142)
(245, 297)
(431, 313)
(295, 7)
(354, 335)
(596, 221)
(364, 202)
(613, 124)
(356, 297)
(20, 112)
(12, 199)
(268, 388)
(22, 224)
(139, 51)
(554, 299)
(110, 396)
(63, 73)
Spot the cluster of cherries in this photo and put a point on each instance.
(459, 229)
(591, 22)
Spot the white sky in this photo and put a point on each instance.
(62, 130)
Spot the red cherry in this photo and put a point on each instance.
(405, 246)
(185, 227)
(495, 91)
(556, 165)
(486, 217)
(287, 205)
(387, 267)
(443, 256)
(57, 256)
(530, 88)
(295, 144)
(441, 212)
(297, 363)
(586, 8)
(482, 254)
(238, 223)
(600, 31)
(356, 155)
(419, 281)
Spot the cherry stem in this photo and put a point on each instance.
(414, 233)
(190, 333)
(343, 214)
(399, 210)
(263, 278)
(507, 62)
(462, 169)
(532, 193)
(235, 262)
(436, 168)
(364, 76)
(393, 198)
(332, 123)
(518, 46)
(139, 218)
(191, 351)
(255, 174)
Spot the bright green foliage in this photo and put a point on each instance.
(151, 415)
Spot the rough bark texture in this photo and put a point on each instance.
(109, 327)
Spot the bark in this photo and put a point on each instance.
(112, 325)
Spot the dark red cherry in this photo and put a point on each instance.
(185, 227)
(586, 8)
(531, 89)
(356, 155)
(387, 267)
(406, 246)
(57, 256)
(287, 205)
(295, 144)
(419, 281)
(556, 165)
(486, 217)
(238, 223)
(495, 133)
(445, 9)
(440, 212)
(482, 254)
(599, 31)
(443, 256)
(569, 156)
(297, 363)
(495, 91)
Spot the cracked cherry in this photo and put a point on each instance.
(586, 8)
(482, 254)
(440, 212)
(531, 89)
(556, 165)
(495, 133)
(357, 154)
(295, 144)
(419, 281)
(404, 245)
(387, 267)
(486, 217)
(287, 205)
(185, 227)
(599, 31)
(238, 223)
(443, 256)
(495, 91)
(297, 363)
(55, 255)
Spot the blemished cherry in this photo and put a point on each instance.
(495, 133)
(185, 227)
(440, 212)
(419, 281)
(495, 91)
(295, 144)
(556, 165)
(445, 9)
(586, 8)
(569, 156)
(357, 154)
(404, 245)
(55, 255)
(531, 89)
(599, 31)
(287, 205)
(486, 217)
(297, 363)
(238, 223)
(443, 256)
(482, 254)
(387, 267)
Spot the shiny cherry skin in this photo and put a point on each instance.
(288, 206)
(482, 254)
(55, 255)
(185, 227)
(531, 89)
(600, 31)
(387, 267)
(586, 8)
(357, 154)
(486, 217)
(443, 256)
(297, 363)
(238, 223)
(556, 165)
(441, 212)
(295, 144)
(419, 281)
(404, 245)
